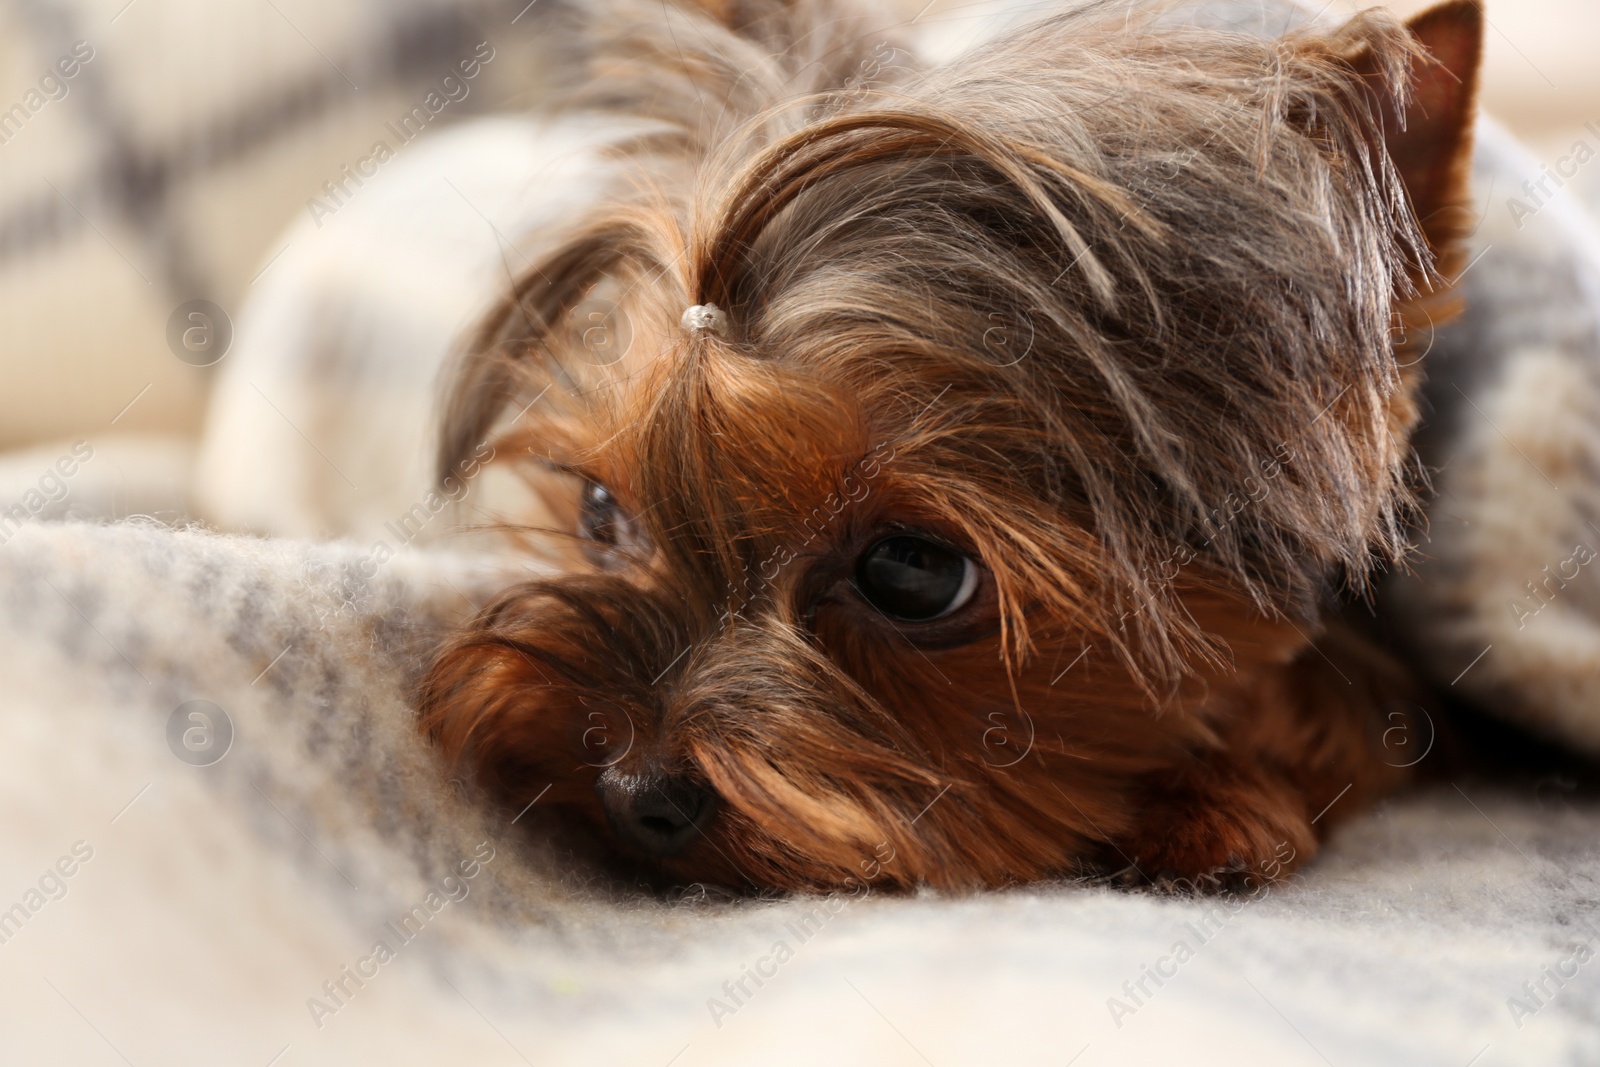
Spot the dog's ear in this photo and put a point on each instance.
(1430, 140)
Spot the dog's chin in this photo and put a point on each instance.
(728, 858)
(721, 861)
(588, 852)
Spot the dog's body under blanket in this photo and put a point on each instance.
(1500, 606)
(232, 912)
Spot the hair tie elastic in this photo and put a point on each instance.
(705, 317)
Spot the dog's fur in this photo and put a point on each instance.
(1119, 305)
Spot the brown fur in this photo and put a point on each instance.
(1110, 305)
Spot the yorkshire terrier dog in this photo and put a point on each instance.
(968, 463)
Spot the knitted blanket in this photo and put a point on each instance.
(226, 844)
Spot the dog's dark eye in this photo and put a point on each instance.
(914, 579)
(603, 521)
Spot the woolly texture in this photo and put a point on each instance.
(220, 899)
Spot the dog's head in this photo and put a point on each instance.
(980, 438)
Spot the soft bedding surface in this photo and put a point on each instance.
(207, 906)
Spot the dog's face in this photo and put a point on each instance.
(967, 493)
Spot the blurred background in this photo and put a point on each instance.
(189, 134)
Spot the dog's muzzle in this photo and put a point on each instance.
(657, 813)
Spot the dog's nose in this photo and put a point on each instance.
(657, 813)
